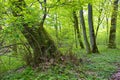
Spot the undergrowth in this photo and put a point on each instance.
(90, 67)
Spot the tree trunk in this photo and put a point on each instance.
(56, 25)
(91, 30)
(77, 29)
(100, 17)
(107, 29)
(39, 40)
(112, 36)
(75, 32)
(84, 31)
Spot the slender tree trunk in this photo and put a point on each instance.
(1, 39)
(56, 25)
(75, 32)
(38, 38)
(99, 23)
(107, 29)
(112, 36)
(100, 17)
(82, 21)
(91, 30)
(77, 29)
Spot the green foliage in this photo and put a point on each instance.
(27, 74)
(94, 67)
(54, 73)
(59, 15)
(102, 66)
(10, 62)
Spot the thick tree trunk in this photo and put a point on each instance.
(112, 35)
(88, 50)
(91, 30)
(77, 29)
(39, 40)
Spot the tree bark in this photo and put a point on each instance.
(107, 30)
(88, 50)
(91, 30)
(56, 27)
(112, 36)
(77, 29)
(100, 17)
(39, 40)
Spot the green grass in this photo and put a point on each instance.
(54, 73)
(104, 64)
(94, 67)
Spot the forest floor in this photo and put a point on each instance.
(101, 66)
(116, 76)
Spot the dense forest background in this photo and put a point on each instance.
(59, 39)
